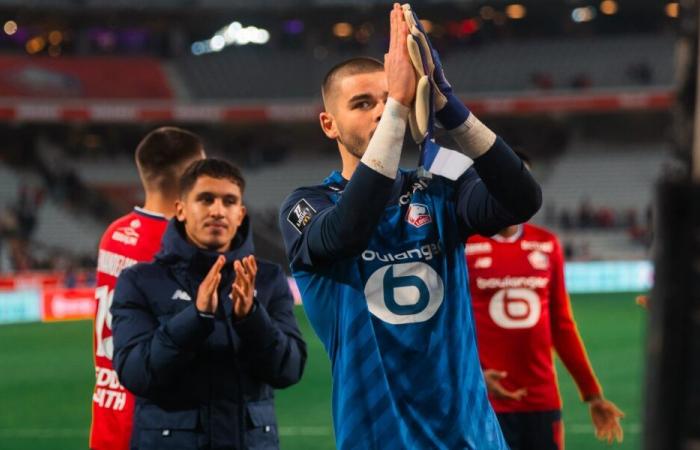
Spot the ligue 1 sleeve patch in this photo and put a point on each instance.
(301, 214)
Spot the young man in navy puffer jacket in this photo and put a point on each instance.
(203, 334)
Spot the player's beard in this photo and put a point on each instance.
(354, 143)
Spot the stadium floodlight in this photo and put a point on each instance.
(262, 36)
(583, 14)
(232, 34)
(608, 7)
(10, 27)
(516, 11)
(217, 43)
(672, 9)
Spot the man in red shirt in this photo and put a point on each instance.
(522, 311)
(161, 158)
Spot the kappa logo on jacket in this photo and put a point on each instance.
(181, 295)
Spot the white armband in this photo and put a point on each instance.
(384, 149)
(473, 137)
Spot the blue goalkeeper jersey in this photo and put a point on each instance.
(396, 321)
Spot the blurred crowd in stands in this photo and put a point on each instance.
(638, 73)
(588, 217)
(49, 178)
(19, 252)
(17, 226)
(65, 185)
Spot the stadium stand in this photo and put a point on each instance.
(59, 227)
(9, 185)
(601, 245)
(606, 62)
(618, 176)
(37, 227)
(612, 179)
(597, 196)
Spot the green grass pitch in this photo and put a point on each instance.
(46, 379)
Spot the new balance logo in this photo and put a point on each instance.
(181, 295)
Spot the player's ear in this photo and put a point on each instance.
(328, 125)
(244, 211)
(180, 210)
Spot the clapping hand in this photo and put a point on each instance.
(207, 295)
(243, 289)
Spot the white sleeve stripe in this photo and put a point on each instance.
(450, 164)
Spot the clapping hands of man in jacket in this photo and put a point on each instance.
(242, 289)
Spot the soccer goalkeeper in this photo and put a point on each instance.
(378, 255)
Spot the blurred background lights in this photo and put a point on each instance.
(10, 27)
(232, 34)
(55, 37)
(217, 43)
(294, 26)
(364, 32)
(342, 30)
(487, 12)
(608, 7)
(35, 45)
(516, 11)
(54, 51)
(499, 18)
(583, 14)
(671, 9)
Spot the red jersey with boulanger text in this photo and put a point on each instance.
(522, 313)
(130, 239)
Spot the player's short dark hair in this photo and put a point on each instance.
(210, 167)
(161, 151)
(352, 66)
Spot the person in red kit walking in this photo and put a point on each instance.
(522, 312)
(161, 158)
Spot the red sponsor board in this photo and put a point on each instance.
(147, 109)
(45, 280)
(30, 280)
(68, 304)
(82, 77)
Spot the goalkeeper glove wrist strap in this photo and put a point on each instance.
(454, 114)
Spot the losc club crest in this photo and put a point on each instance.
(418, 215)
